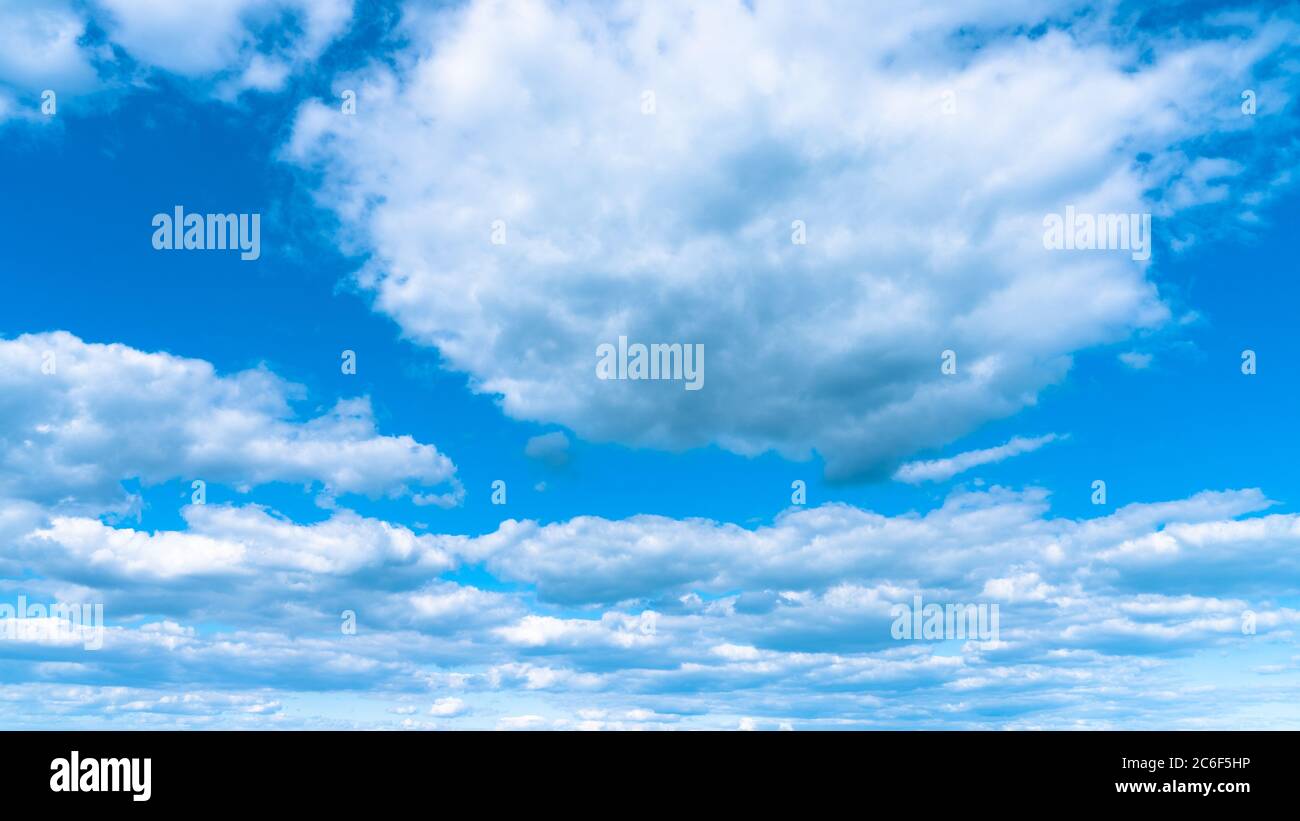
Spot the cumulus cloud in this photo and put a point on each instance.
(142, 706)
(240, 541)
(938, 470)
(647, 167)
(79, 418)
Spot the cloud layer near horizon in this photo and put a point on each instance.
(789, 623)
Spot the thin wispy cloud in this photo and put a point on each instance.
(939, 470)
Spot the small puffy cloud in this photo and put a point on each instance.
(1136, 360)
(227, 46)
(551, 449)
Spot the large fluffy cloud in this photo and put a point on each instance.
(920, 151)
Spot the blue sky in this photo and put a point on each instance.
(649, 568)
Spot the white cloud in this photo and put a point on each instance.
(776, 622)
(997, 536)
(1135, 360)
(1090, 608)
(228, 46)
(551, 449)
(449, 707)
(938, 470)
(446, 606)
(668, 227)
(39, 47)
(110, 413)
(528, 722)
(1022, 587)
(243, 541)
(924, 227)
(612, 630)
